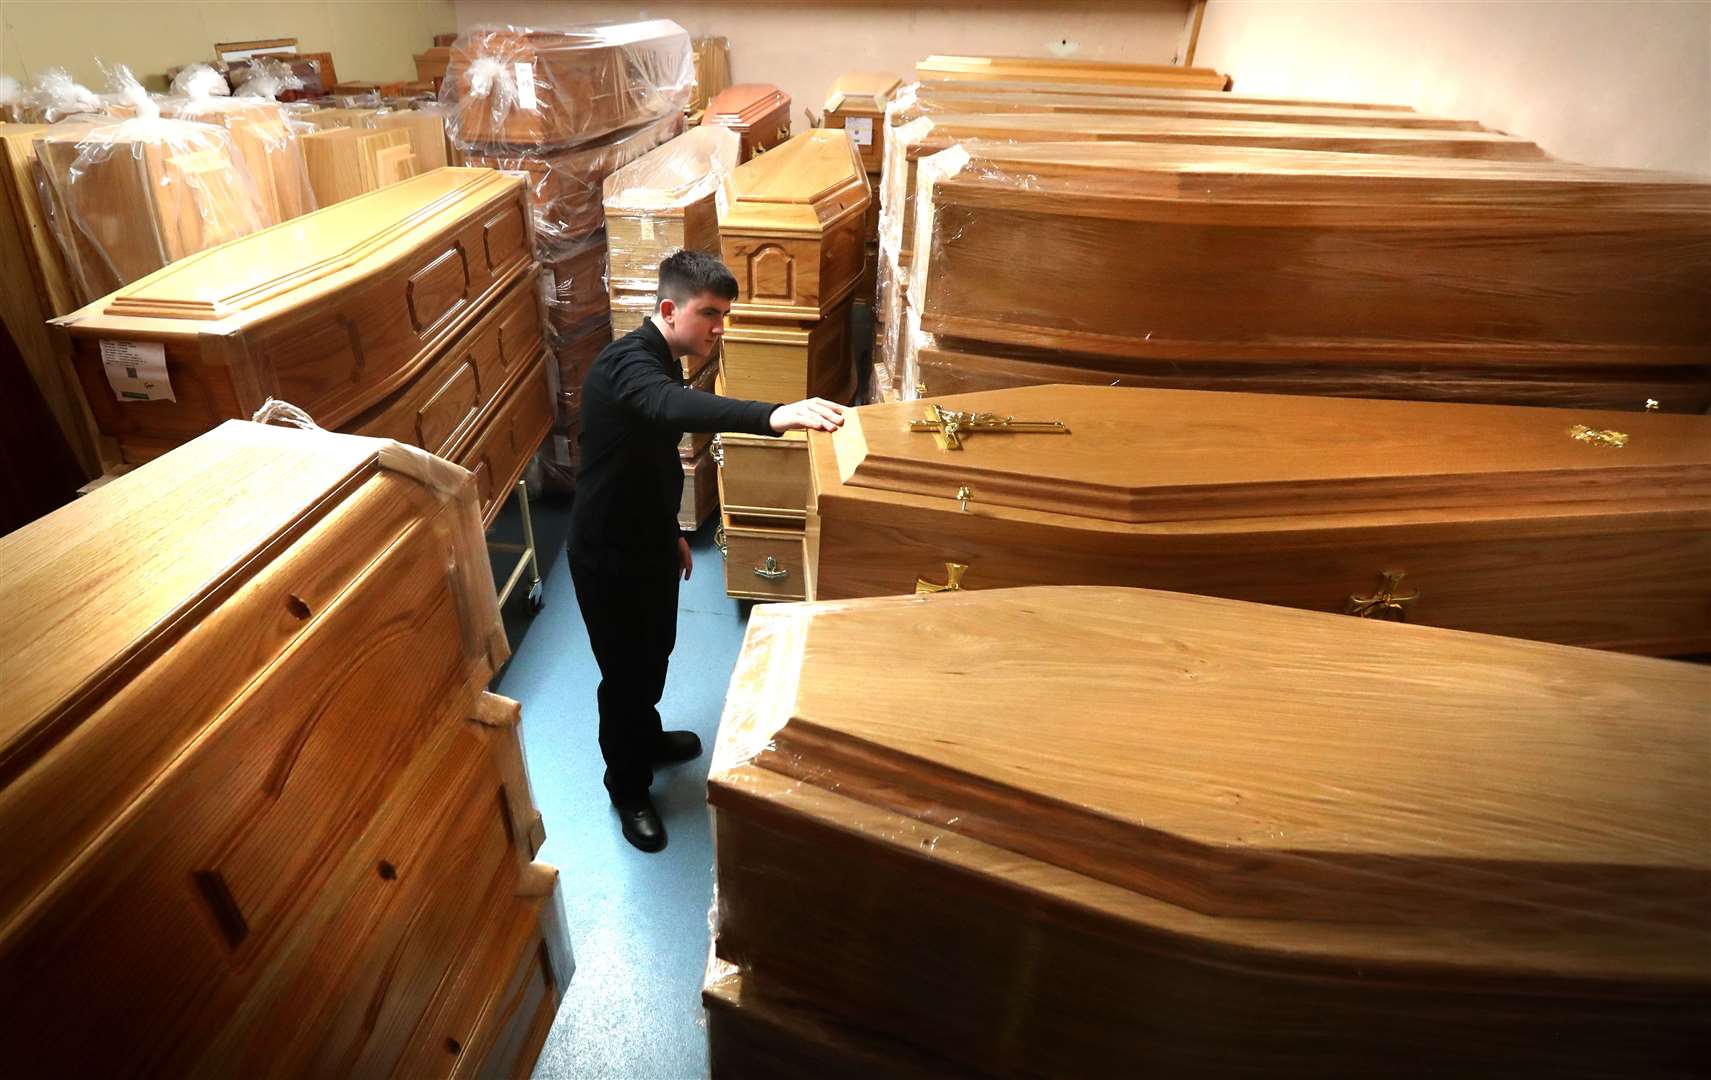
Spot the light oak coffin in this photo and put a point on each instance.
(1539, 265)
(537, 87)
(856, 105)
(1067, 70)
(949, 90)
(700, 491)
(660, 203)
(1488, 518)
(333, 311)
(252, 774)
(131, 197)
(758, 112)
(1095, 832)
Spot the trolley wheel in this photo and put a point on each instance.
(537, 598)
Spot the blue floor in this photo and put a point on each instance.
(637, 923)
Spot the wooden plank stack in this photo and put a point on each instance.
(269, 145)
(568, 107)
(1065, 70)
(409, 312)
(1100, 832)
(250, 771)
(791, 232)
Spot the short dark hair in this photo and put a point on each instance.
(684, 275)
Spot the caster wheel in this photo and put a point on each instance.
(537, 599)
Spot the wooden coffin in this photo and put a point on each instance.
(700, 492)
(785, 361)
(136, 195)
(333, 312)
(1497, 519)
(758, 112)
(938, 68)
(574, 284)
(1120, 832)
(575, 355)
(565, 185)
(37, 289)
(949, 90)
(431, 65)
(1217, 107)
(664, 202)
(268, 145)
(425, 128)
(1518, 264)
(515, 86)
(252, 774)
(705, 378)
(856, 105)
(502, 449)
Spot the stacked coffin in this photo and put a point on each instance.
(409, 312)
(661, 203)
(856, 105)
(956, 69)
(758, 112)
(568, 107)
(1572, 526)
(1112, 832)
(791, 232)
(251, 774)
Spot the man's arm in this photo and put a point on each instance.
(659, 399)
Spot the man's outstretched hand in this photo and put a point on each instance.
(810, 414)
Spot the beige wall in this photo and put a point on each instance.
(369, 39)
(1624, 83)
(801, 47)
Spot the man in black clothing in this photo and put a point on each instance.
(625, 548)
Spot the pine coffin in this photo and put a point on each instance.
(1120, 832)
(664, 202)
(856, 105)
(1496, 519)
(1537, 265)
(254, 774)
(333, 311)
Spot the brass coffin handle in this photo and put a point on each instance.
(770, 570)
(718, 452)
(953, 580)
(1388, 602)
(719, 542)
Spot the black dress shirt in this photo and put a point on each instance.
(635, 409)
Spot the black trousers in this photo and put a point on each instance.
(632, 625)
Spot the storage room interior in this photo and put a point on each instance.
(854, 539)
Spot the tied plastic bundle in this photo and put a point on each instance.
(261, 133)
(57, 96)
(267, 79)
(11, 98)
(130, 196)
(527, 87)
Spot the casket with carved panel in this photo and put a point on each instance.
(251, 773)
(333, 311)
(1582, 527)
(1093, 832)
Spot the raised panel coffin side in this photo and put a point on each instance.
(438, 290)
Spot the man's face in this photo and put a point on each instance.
(697, 324)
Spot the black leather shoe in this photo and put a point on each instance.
(641, 824)
(674, 747)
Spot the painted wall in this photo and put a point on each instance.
(802, 47)
(369, 39)
(1625, 83)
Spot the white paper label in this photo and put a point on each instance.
(647, 228)
(136, 370)
(525, 84)
(860, 129)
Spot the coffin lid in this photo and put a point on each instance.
(1141, 456)
(567, 44)
(744, 104)
(977, 88)
(305, 257)
(803, 185)
(862, 92)
(940, 129)
(1049, 64)
(104, 581)
(1105, 173)
(670, 177)
(1215, 109)
(1250, 762)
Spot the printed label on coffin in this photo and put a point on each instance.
(438, 290)
(772, 274)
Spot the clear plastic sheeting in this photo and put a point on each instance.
(11, 99)
(1216, 254)
(263, 136)
(665, 202)
(1014, 830)
(56, 96)
(538, 86)
(573, 285)
(130, 196)
(565, 184)
(199, 81)
(267, 79)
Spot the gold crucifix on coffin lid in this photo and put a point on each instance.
(948, 426)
